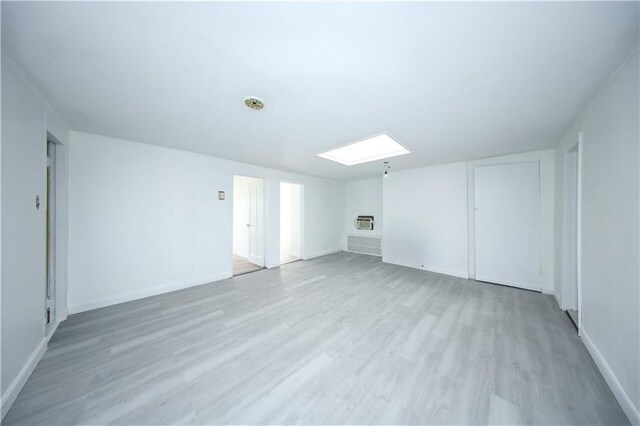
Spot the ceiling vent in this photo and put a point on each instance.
(253, 102)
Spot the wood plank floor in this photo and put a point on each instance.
(341, 339)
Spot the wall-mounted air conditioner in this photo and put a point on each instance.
(364, 223)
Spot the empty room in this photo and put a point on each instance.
(320, 213)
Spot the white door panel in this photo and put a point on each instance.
(256, 222)
(507, 224)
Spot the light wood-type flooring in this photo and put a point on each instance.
(341, 339)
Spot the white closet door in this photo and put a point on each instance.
(507, 224)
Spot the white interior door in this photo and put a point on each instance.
(507, 224)
(256, 222)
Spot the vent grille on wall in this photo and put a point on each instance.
(364, 245)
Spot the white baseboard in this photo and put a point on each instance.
(452, 272)
(53, 330)
(547, 290)
(127, 297)
(18, 383)
(321, 253)
(621, 395)
(507, 283)
(431, 268)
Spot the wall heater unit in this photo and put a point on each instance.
(364, 245)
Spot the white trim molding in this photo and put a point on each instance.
(429, 268)
(508, 283)
(127, 297)
(52, 330)
(621, 395)
(321, 253)
(580, 145)
(452, 272)
(18, 383)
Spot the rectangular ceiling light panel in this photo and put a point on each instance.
(371, 149)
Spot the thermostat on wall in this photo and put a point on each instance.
(220, 195)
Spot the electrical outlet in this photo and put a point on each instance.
(37, 202)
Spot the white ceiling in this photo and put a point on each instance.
(451, 81)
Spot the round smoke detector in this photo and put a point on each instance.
(254, 102)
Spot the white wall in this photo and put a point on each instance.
(141, 219)
(547, 194)
(423, 208)
(363, 198)
(290, 220)
(296, 220)
(26, 119)
(146, 219)
(285, 220)
(610, 232)
(241, 215)
(425, 218)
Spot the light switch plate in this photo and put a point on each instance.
(220, 195)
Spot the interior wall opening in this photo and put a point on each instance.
(570, 286)
(248, 225)
(290, 222)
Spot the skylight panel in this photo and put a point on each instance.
(370, 149)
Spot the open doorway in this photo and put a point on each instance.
(50, 285)
(290, 222)
(570, 277)
(248, 224)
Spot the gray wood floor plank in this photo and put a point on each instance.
(340, 339)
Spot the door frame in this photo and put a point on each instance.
(302, 216)
(576, 146)
(265, 206)
(50, 239)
